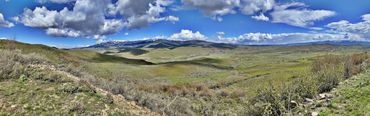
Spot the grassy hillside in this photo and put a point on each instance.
(189, 80)
(33, 85)
(351, 97)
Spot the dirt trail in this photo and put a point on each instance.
(118, 100)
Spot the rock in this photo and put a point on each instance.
(293, 103)
(308, 100)
(132, 103)
(314, 114)
(325, 96)
(321, 96)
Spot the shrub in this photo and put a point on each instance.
(73, 88)
(324, 62)
(329, 77)
(14, 64)
(108, 99)
(10, 67)
(77, 107)
(267, 102)
(354, 64)
(305, 87)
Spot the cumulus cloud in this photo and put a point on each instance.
(291, 13)
(4, 23)
(96, 18)
(361, 28)
(213, 8)
(86, 19)
(298, 17)
(141, 13)
(63, 32)
(40, 17)
(188, 35)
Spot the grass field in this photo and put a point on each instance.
(194, 80)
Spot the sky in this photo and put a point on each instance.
(79, 23)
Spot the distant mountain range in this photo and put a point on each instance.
(341, 42)
(161, 43)
(171, 44)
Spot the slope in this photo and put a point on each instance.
(350, 98)
(31, 85)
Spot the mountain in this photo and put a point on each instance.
(171, 44)
(161, 43)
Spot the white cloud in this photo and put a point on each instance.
(40, 17)
(172, 19)
(4, 23)
(213, 8)
(280, 7)
(261, 17)
(300, 18)
(63, 32)
(96, 18)
(141, 13)
(361, 28)
(366, 17)
(218, 8)
(56, 1)
(86, 19)
(188, 35)
(220, 35)
(291, 13)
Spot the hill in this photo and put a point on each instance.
(31, 85)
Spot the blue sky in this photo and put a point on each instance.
(86, 22)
